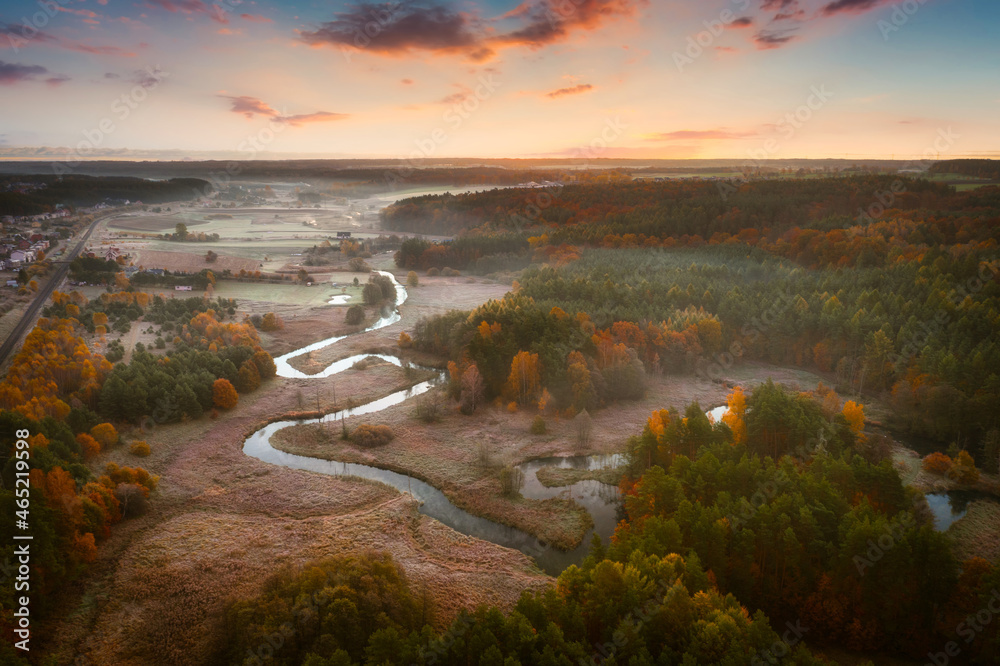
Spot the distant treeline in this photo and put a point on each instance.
(76, 190)
(975, 168)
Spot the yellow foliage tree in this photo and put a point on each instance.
(855, 415)
(524, 381)
(105, 433)
(735, 418)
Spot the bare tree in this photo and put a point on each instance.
(584, 424)
(473, 389)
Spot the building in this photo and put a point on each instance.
(182, 287)
(18, 257)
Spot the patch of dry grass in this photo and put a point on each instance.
(977, 533)
(456, 473)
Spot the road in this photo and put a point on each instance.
(58, 275)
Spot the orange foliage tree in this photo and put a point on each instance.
(735, 418)
(224, 395)
(855, 415)
(105, 434)
(937, 463)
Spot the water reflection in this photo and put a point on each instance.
(950, 507)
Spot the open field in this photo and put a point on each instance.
(192, 261)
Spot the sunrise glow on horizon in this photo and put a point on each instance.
(498, 78)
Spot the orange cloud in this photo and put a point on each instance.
(575, 90)
(698, 135)
(250, 107)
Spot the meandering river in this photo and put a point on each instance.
(600, 499)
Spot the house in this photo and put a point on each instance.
(12, 283)
(18, 257)
(182, 287)
(343, 234)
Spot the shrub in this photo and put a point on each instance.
(271, 322)
(538, 425)
(359, 265)
(512, 407)
(412, 279)
(937, 463)
(355, 315)
(105, 434)
(265, 364)
(132, 499)
(370, 436)
(248, 377)
(139, 448)
(511, 480)
(88, 445)
(224, 395)
(433, 272)
(428, 410)
(405, 341)
(964, 469)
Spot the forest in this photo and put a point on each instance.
(78, 190)
(743, 542)
(74, 401)
(902, 305)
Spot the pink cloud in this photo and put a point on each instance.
(250, 107)
(190, 7)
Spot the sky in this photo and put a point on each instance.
(582, 79)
